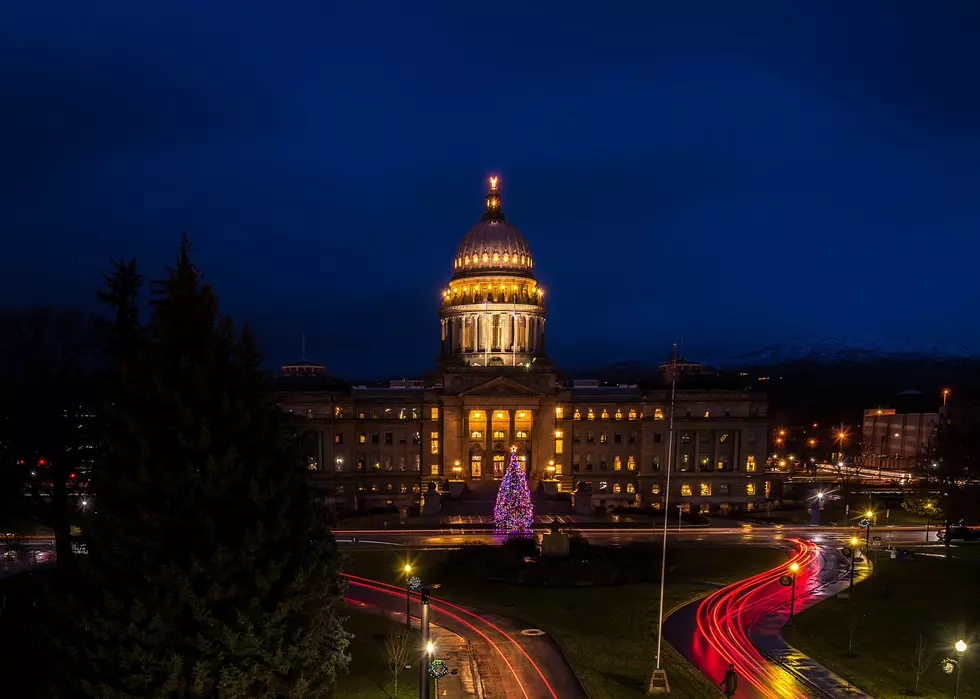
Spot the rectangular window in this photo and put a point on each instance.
(632, 437)
(360, 461)
(723, 466)
(705, 508)
(476, 466)
(477, 435)
(389, 437)
(658, 414)
(559, 447)
(686, 489)
(750, 463)
(402, 438)
(338, 411)
(655, 489)
(375, 463)
(403, 489)
(631, 463)
(603, 437)
(434, 413)
(416, 438)
(705, 489)
(401, 462)
(434, 469)
(559, 412)
(402, 413)
(685, 462)
(685, 437)
(705, 464)
(434, 443)
(750, 488)
(558, 469)
(418, 462)
(768, 486)
(723, 489)
(415, 413)
(521, 434)
(388, 462)
(655, 464)
(590, 437)
(361, 438)
(658, 438)
(617, 464)
(603, 486)
(617, 487)
(577, 415)
(387, 413)
(375, 438)
(498, 466)
(632, 414)
(338, 438)
(617, 437)
(374, 413)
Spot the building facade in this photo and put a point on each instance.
(495, 388)
(897, 441)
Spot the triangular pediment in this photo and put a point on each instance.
(502, 386)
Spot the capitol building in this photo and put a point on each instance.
(494, 387)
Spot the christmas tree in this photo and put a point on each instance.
(513, 512)
(212, 571)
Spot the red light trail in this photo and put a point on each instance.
(724, 617)
(440, 606)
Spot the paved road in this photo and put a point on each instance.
(511, 665)
(741, 624)
(450, 537)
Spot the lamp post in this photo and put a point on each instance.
(854, 544)
(928, 519)
(792, 593)
(551, 469)
(457, 470)
(408, 594)
(426, 644)
(867, 534)
(960, 651)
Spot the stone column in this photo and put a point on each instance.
(510, 436)
(464, 450)
(542, 335)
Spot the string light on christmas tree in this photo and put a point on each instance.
(513, 513)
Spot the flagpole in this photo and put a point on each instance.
(669, 465)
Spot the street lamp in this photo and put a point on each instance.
(792, 594)
(551, 469)
(960, 651)
(867, 542)
(457, 470)
(408, 594)
(854, 544)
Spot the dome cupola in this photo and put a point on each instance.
(493, 246)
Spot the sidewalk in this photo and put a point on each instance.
(463, 680)
(766, 634)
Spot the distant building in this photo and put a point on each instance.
(495, 389)
(897, 440)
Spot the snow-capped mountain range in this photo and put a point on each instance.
(835, 350)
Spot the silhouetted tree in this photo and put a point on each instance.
(212, 570)
(950, 465)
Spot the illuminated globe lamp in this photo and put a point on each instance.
(492, 312)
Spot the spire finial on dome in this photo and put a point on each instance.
(493, 211)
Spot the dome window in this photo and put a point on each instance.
(496, 257)
(506, 257)
(522, 259)
(485, 257)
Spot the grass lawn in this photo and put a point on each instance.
(608, 633)
(368, 677)
(937, 598)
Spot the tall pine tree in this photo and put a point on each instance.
(212, 571)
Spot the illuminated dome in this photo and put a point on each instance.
(493, 246)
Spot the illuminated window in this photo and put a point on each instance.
(603, 437)
(685, 462)
(415, 413)
(768, 488)
(630, 488)
(559, 446)
(686, 489)
(434, 469)
(590, 437)
(722, 465)
(476, 466)
(418, 462)
(476, 434)
(558, 469)
(723, 437)
(403, 488)
(559, 412)
(619, 414)
(750, 488)
(631, 463)
(434, 443)
(655, 489)
(338, 438)
(433, 413)
(603, 486)
(617, 487)
(590, 414)
(685, 437)
(521, 434)
(658, 414)
(577, 415)
(750, 463)
(498, 434)
(374, 413)
(617, 464)
(402, 413)
(705, 489)
(705, 463)
(705, 508)
(338, 411)
(632, 414)
(361, 438)
(707, 413)
(498, 466)
(605, 414)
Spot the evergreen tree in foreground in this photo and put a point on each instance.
(212, 571)
(513, 512)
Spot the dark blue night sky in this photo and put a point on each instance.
(733, 174)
